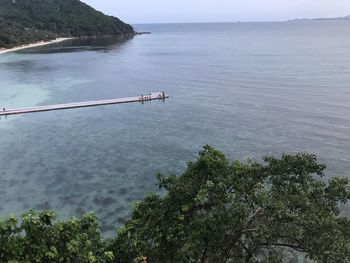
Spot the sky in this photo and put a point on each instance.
(179, 11)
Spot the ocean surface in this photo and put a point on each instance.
(248, 89)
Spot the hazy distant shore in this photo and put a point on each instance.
(38, 44)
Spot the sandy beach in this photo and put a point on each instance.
(38, 44)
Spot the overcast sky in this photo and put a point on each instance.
(168, 11)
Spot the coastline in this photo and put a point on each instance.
(38, 44)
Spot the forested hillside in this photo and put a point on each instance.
(28, 21)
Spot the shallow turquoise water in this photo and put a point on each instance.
(247, 88)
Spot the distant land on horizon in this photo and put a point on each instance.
(342, 18)
(29, 21)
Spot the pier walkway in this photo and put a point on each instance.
(140, 99)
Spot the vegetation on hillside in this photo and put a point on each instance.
(216, 211)
(28, 21)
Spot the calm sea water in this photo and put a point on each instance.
(249, 89)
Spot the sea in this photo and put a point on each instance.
(248, 89)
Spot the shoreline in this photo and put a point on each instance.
(37, 44)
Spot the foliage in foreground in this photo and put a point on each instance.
(39, 239)
(216, 211)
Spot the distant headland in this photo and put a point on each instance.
(24, 22)
(343, 18)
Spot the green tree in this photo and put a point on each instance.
(40, 239)
(218, 211)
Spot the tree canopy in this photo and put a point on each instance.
(216, 211)
(40, 239)
(28, 21)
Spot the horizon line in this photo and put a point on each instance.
(235, 22)
(242, 21)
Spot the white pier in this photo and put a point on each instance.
(140, 99)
